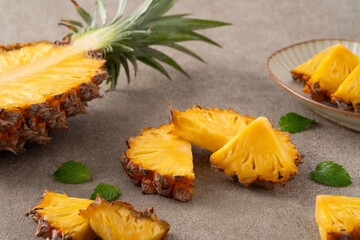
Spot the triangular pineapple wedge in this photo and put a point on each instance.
(258, 154)
(208, 128)
(304, 71)
(338, 217)
(331, 72)
(58, 217)
(120, 221)
(347, 96)
(160, 163)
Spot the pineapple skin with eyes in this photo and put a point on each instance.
(120, 221)
(32, 123)
(338, 217)
(153, 181)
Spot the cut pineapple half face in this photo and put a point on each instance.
(258, 153)
(208, 128)
(58, 217)
(338, 217)
(120, 221)
(160, 163)
(304, 71)
(348, 94)
(334, 68)
(34, 73)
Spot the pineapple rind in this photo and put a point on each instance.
(119, 220)
(158, 181)
(32, 123)
(58, 218)
(250, 160)
(338, 217)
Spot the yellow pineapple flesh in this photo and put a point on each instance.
(338, 217)
(347, 95)
(160, 163)
(120, 221)
(208, 128)
(334, 68)
(58, 217)
(258, 154)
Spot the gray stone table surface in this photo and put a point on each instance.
(234, 76)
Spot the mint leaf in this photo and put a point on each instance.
(293, 122)
(107, 191)
(72, 172)
(331, 174)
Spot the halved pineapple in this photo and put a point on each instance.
(258, 154)
(120, 221)
(208, 128)
(334, 68)
(347, 96)
(304, 71)
(41, 85)
(160, 163)
(58, 217)
(338, 217)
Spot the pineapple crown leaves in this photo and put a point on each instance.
(126, 41)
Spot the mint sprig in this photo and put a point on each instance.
(293, 122)
(72, 172)
(107, 191)
(331, 174)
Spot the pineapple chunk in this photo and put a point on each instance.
(332, 71)
(58, 217)
(259, 154)
(304, 71)
(208, 128)
(161, 163)
(120, 221)
(338, 217)
(348, 94)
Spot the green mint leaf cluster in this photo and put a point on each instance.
(331, 174)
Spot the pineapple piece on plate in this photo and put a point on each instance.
(58, 217)
(338, 217)
(120, 221)
(347, 96)
(208, 128)
(258, 154)
(161, 163)
(331, 72)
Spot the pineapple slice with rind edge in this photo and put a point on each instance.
(208, 128)
(161, 163)
(120, 221)
(338, 217)
(304, 71)
(331, 72)
(258, 154)
(347, 96)
(58, 217)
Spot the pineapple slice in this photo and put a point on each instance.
(160, 163)
(338, 217)
(304, 71)
(208, 128)
(347, 96)
(259, 154)
(331, 72)
(58, 217)
(120, 221)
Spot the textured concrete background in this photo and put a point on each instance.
(234, 76)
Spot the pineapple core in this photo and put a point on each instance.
(208, 128)
(120, 221)
(258, 152)
(156, 149)
(338, 217)
(34, 73)
(61, 214)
